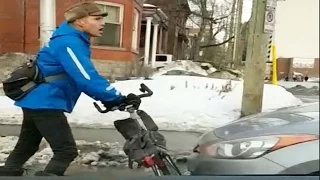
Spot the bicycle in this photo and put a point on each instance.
(144, 145)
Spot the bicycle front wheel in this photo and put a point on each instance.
(169, 168)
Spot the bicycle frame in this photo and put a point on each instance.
(154, 161)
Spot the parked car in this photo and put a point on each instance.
(282, 142)
(162, 60)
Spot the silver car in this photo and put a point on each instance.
(282, 142)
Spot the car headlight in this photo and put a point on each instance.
(250, 148)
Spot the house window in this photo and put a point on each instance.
(135, 29)
(112, 31)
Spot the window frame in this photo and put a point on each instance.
(135, 30)
(121, 18)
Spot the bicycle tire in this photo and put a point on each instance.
(156, 170)
(169, 167)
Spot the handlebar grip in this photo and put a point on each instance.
(144, 88)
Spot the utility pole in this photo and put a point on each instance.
(237, 38)
(47, 20)
(255, 61)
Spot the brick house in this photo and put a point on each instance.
(177, 13)
(112, 54)
(154, 33)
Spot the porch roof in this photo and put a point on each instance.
(158, 15)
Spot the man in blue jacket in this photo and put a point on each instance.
(67, 53)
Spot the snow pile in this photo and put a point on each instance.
(183, 66)
(190, 68)
(182, 103)
(7, 145)
(101, 154)
(227, 75)
(208, 67)
(90, 153)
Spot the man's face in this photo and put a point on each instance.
(93, 25)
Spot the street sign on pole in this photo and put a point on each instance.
(270, 16)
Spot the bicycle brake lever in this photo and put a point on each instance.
(99, 108)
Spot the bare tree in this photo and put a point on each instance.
(211, 19)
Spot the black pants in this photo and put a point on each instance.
(54, 127)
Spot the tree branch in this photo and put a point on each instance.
(196, 23)
(218, 44)
(219, 29)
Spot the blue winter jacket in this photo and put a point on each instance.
(68, 51)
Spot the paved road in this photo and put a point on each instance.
(309, 99)
(290, 84)
(175, 140)
(114, 172)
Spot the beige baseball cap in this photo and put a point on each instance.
(82, 10)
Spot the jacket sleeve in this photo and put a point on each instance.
(75, 58)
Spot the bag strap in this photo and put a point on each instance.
(55, 77)
(28, 86)
(32, 84)
(48, 78)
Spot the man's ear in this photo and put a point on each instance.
(80, 22)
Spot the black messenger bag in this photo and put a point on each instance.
(24, 79)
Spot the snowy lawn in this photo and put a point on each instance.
(183, 103)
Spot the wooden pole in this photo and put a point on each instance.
(255, 61)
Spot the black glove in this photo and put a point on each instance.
(114, 105)
(133, 100)
(120, 104)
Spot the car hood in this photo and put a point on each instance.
(270, 124)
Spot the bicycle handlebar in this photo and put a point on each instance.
(143, 88)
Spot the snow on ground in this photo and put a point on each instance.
(7, 144)
(183, 65)
(90, 153)
(183, 103)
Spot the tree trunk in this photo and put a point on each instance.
(237, 52)
(204, 23)
(231, 33)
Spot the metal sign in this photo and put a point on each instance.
(270, 15)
